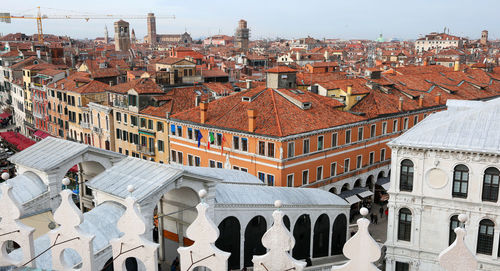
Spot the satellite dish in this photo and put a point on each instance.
(52, 225)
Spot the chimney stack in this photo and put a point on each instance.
(197, 100)
(249, 84)
(297, 55)
(203, 112)
(421, 101)
(251, 120)
(349, 90)
(457, 66)
(400, 107)
(438, 98)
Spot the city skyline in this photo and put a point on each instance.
(266, 19)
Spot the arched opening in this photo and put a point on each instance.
(133, 264)
(253, 239)
(302, 235)
(333, 190)
(370, 182)
(339, 233)
(345, 187)
(321, 236)
(286, 221)
(380, 174)
(8, 247)
(69, 258)
(357, 183)
(175, 211)
(108, 266)
(229, 240)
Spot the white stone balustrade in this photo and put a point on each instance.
(361, 249)
(12, 229)
(458, 256)
(278, 240)
(203, 252)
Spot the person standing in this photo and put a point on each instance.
(381, 211)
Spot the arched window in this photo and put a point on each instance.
(490, 184)
(454, 223)
(460, 181)
(485, 237)
(404, 225)
(406, 176)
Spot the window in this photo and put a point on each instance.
(219, 164)
(415, 120)
(150, 124)
(404, 225)
(400, 266)
(160, 145)
(143, 123)
(133, 120)
(270, 180)
(454, 223)
(382, 154)
(371, 158)
(125, 135)
(159, 126)
(319, 173)
(305, 146)
(291, 149)
(384, 128)
(394, 126)
(405, 124)
(485, 237)
(406, 176)
(238, 168)
(120, 150)
(320, 142)
(270, 149)
(132, 100)
(490, 184)
(118, 133)
(125, 118)
(460, 181)
(359, 161)
(262, 176)
(219, 139)
(262, 148)
(334, 140)
(244, 144)
(190, 133)
(173, 156)
(333, 169)
(179, 130)
(236, 142)
(347, 136)
(360, 133)
(118, 116)
(211, 163)
(289, 180)
(197, 161)
(346, 165)
(305, 176)
(373, 130)
(190, 160)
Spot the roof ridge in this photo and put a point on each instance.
(276, 113)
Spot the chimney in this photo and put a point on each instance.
(438, 98)
(251, 120)
(425, 62)
(203, 112)
(457, 66)
(38, 53)
(297, 55)
(110, 83)
(249, 84)
(62, 86)
(400, 107)
(197, 100)
(421, 101)
(349, 90)
(326, 55)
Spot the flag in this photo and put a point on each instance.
(199, 137)
(222, 145)
(172, 129)
(210, 139)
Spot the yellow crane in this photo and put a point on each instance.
(6, 18)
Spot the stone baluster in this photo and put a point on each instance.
(69, 236)
(12, 229)
(278, 240)
(204, 233)
(133, 243)
(458, 256)
(361, 249)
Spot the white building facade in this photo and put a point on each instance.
(446, 165)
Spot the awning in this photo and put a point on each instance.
(365, 194)
(384, 182)
(352, 199)
(74, 168)
(40, 134)
(386, 186)
(5, 115)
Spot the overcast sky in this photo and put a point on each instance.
(346, 19)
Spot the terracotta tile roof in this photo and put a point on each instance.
(40, 66)
(219, 88)
(103, 73)
(306, 79)
(51, 72)
(274, 109)
(79, 82)
(169, 60)
(279, 69)
(213, 73)
(141, 85)
(12, 53)
(174, 101)
(325, 64)
(358, 85)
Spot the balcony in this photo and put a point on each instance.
(97, 130)
(145, 150)
(85, 125)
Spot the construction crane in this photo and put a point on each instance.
(6, 18)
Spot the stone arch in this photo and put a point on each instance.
(253, 239)
(321, 236)
(345, 187)
(286, 222)
(229, 240)
(339, 234)
(358, 183)
(302, 235)
(108, 266)
(370, 182)
(333, 190)
(381, 174)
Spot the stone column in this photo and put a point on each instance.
(495, 242)
(330, 230)
(161, 239)
(242, 248)
(80, 185)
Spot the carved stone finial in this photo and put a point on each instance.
(5, 176)
(279, 241)
(203, 251)
(12, 229)
(361, 249)
(133, 225)
(66, 181)
(458, 256)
